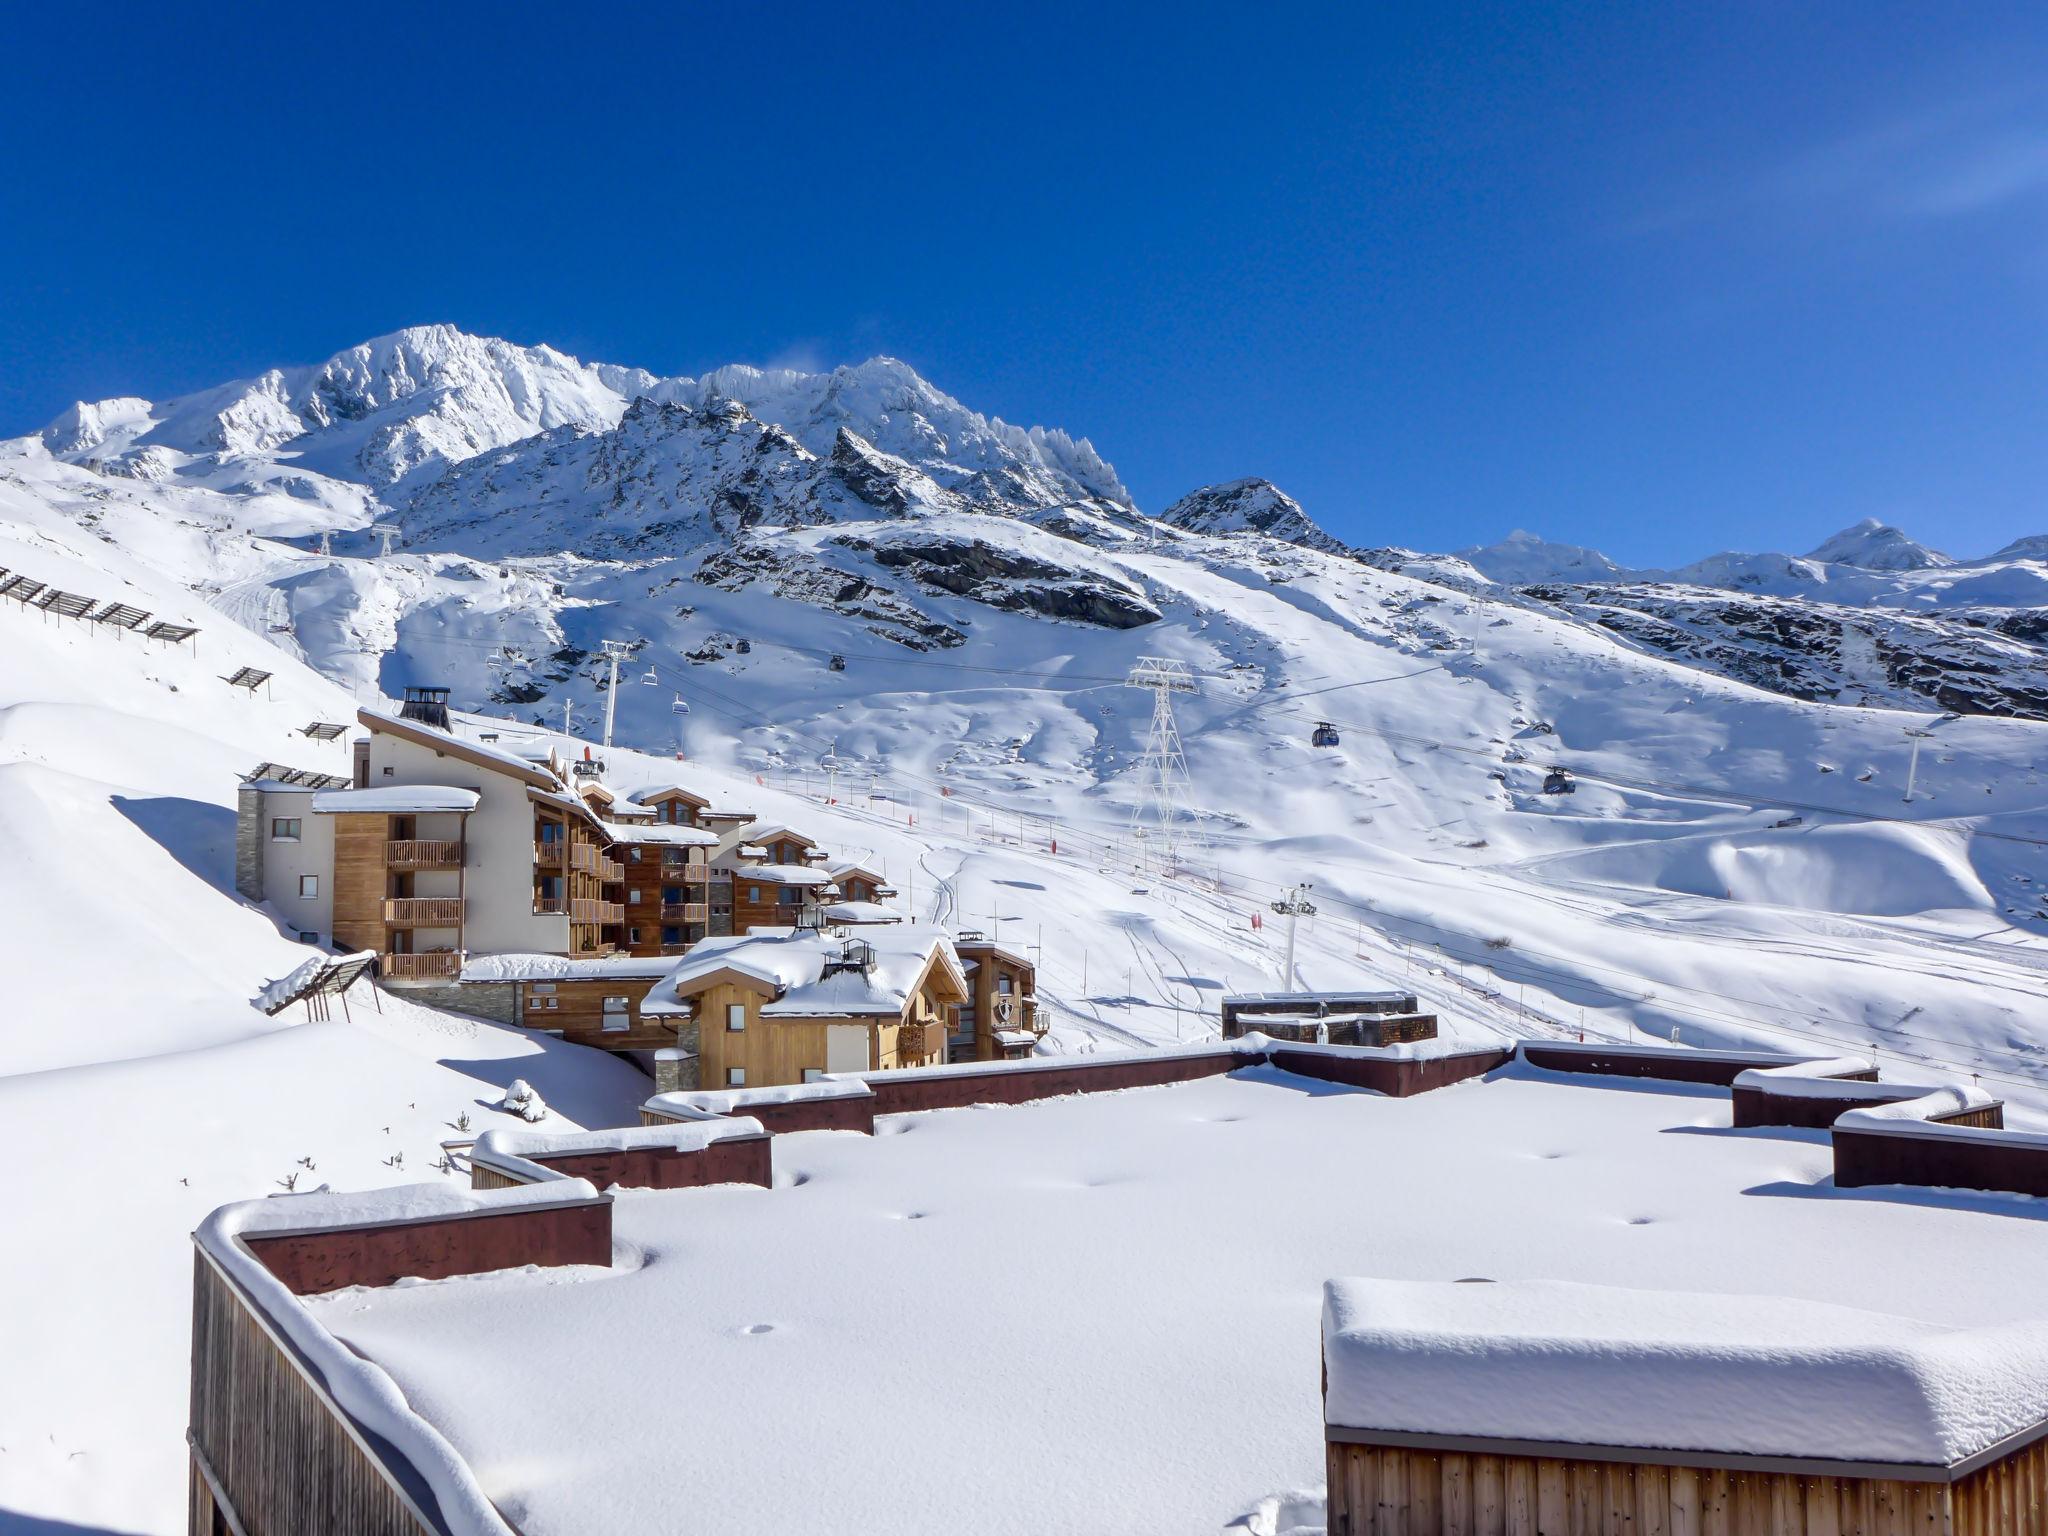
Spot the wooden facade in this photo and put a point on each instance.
(1378, 1490)
(665, 895)
(271, 1453)
(772, 1051)
(1004, 987)
(603, 1012)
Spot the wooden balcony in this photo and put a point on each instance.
(549, 855)
(584, 857)
(914, 1041)
(685, 874)
(611, 871)
(600, 912)
(550, 906)
(419, 853)
(442, 965)
(587, 950)
(423, 912)
(685, 912)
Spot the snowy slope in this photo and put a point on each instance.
(1737, 865)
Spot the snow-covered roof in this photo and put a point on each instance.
(781, 874)
(1676, 1370)
(801, 966)
(662, 832)
(863, 912)
(1209, 1215)
(396, 799)
(540, 967)
(467, 747)
(1314, 999)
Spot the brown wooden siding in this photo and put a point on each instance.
(739, 1160)
(359, 877)
(1879, 1157)
(1384, 1491)
(1676, 1065)
(847, 1114)
(286, 1463)
(575, 1232)
(578, 1011)
(1398, 1078)
(2007, 1498)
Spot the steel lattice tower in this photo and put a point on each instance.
(1166, 798)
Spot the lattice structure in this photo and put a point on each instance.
(298, 778)
(250, 678)
(121, 616)
(323, 730)
(1166, 798)
(66, 605)
(313, 984)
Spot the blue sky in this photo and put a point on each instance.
(1659, 279)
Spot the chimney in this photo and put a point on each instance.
(429, 706)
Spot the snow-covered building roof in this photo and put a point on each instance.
(782, 874)
(542, 967)
(662, 832)
(482, 754)
(861, 913)
(1676, 1370)
(395, 799)
(1204, 1220)
(808, 971)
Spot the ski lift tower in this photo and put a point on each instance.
(1166, 796)
(1294, 906)
(613, 650)
(830, 765)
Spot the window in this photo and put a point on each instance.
(791, 896)
(672, 895)
(753, 893)
(671, 935)
(309, 885)
(284, 829)
(309, 938)
(616, 1005)
(542, 987)
(735, 1077)
(632, 935)
(636, 860)
(632, 898)
(814, 1074)
(735, 1016)
(387, 772)
(1005, 985)
(617, 1016)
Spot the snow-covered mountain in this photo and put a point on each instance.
(1248, 506)
(1875, 546)
(1739, 863)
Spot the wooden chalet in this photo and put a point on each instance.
(1000, 1019)
(788, 1005)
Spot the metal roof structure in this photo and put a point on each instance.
(332, 979)
(66, 605)
(173, 633)
(121, 616)
(250, 678)
(19, 587)
(297, 778)
(323, 730)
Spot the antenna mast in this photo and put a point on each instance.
(613, 650)
(1166, 796)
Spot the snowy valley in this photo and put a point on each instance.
(859, 607)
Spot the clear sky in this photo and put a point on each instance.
(1661, 279)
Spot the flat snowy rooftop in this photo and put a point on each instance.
(1102, 1313)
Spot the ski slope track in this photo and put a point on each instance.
(1738, 865)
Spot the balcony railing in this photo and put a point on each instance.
(424, 912)
(584, 857)
(610, 870)
(442, 965)
(590, 951)
(550, 906)
(686, 874)
(685, 912)
(419, 853)
(548, 855)
(585, 911)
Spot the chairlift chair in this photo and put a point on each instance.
(649, 679)
(1325, 735)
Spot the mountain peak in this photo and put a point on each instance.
(1524, 557)
(1872, 545)
(1250, 505)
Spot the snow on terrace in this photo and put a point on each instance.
(809, 968)
(1108, 1305)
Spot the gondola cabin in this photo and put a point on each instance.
(1325, 735)
(1558, 782)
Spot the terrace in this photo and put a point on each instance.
(1129, 1283)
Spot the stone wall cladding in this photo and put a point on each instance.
(249, 843)
(497, 1001)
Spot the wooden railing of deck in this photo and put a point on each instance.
(583, 910)
(422, 853)
(685, 912)
(438, 965)
(548, 854)
(423, 911)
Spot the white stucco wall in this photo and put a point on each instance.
(284, 861)
(498, 874)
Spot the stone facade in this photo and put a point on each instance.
(249, 842)
(494, 1000)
